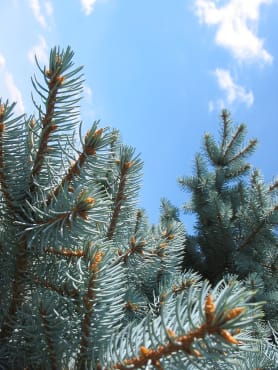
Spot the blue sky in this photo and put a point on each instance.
(159, 71)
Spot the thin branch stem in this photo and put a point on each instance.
(65, 252)
(118, 201)
(251, 144)
(88, 303)
(48, 126)
(225, 119)
(256, 230)
(62, 291)
(231, 143)
(184, 343)
(74, 170)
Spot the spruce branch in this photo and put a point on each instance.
(101, 304)
(65, 216)
(236, 137)
(183, 286)
(118, 200)
(12, 137)
(49, 340)
(135, 247)
(94, 141)
(212, 150)
(231, 140)
(273, 186)
(18, 290)
(196, 334)
(63, 291)
(80, 209)
(138, 221)
(59, 97)
(85, 282)
(88, 303)
(249, 148)
(127, 168)
(55, 81)
(225, 116)
(65, 252)
(256, 230)
(3, 180)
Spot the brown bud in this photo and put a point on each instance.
(228, 336)
(60, 80)
(89, 150)
(2, 111)
(170, 236)
(131, 306)
(195, 352)
(209, 309)
(48, 73)
(145, 351)
(128, 165)
(233, 313)
(98, 132)
(90, 200)
(96, 262)
(83, 214)
(32, 123)
(52, 128)
(171, 333)
(132, 241)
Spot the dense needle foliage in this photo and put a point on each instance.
(85, 282)
(236, 216)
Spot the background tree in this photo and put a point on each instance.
(236, 215)
(85, 282)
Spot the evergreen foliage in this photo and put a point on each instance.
(85, 282)
(236, 216)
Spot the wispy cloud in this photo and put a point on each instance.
(237, 23)
(11, 91)
(88, 6)
(2, 62)
(14, 93)
(48, 8)
(40, 50)
(40, 13)
(87, 91)
(234, 92)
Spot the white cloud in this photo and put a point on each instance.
(9, 87)
(36, 8)
(237, 23)
(14, 93)
(87, 93)
(2, 62)
(88, 6)
(40, 50)
(48, 8)
(234, 92)
(40, 13)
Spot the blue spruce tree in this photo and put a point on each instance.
(85, 282)
(236, 216)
